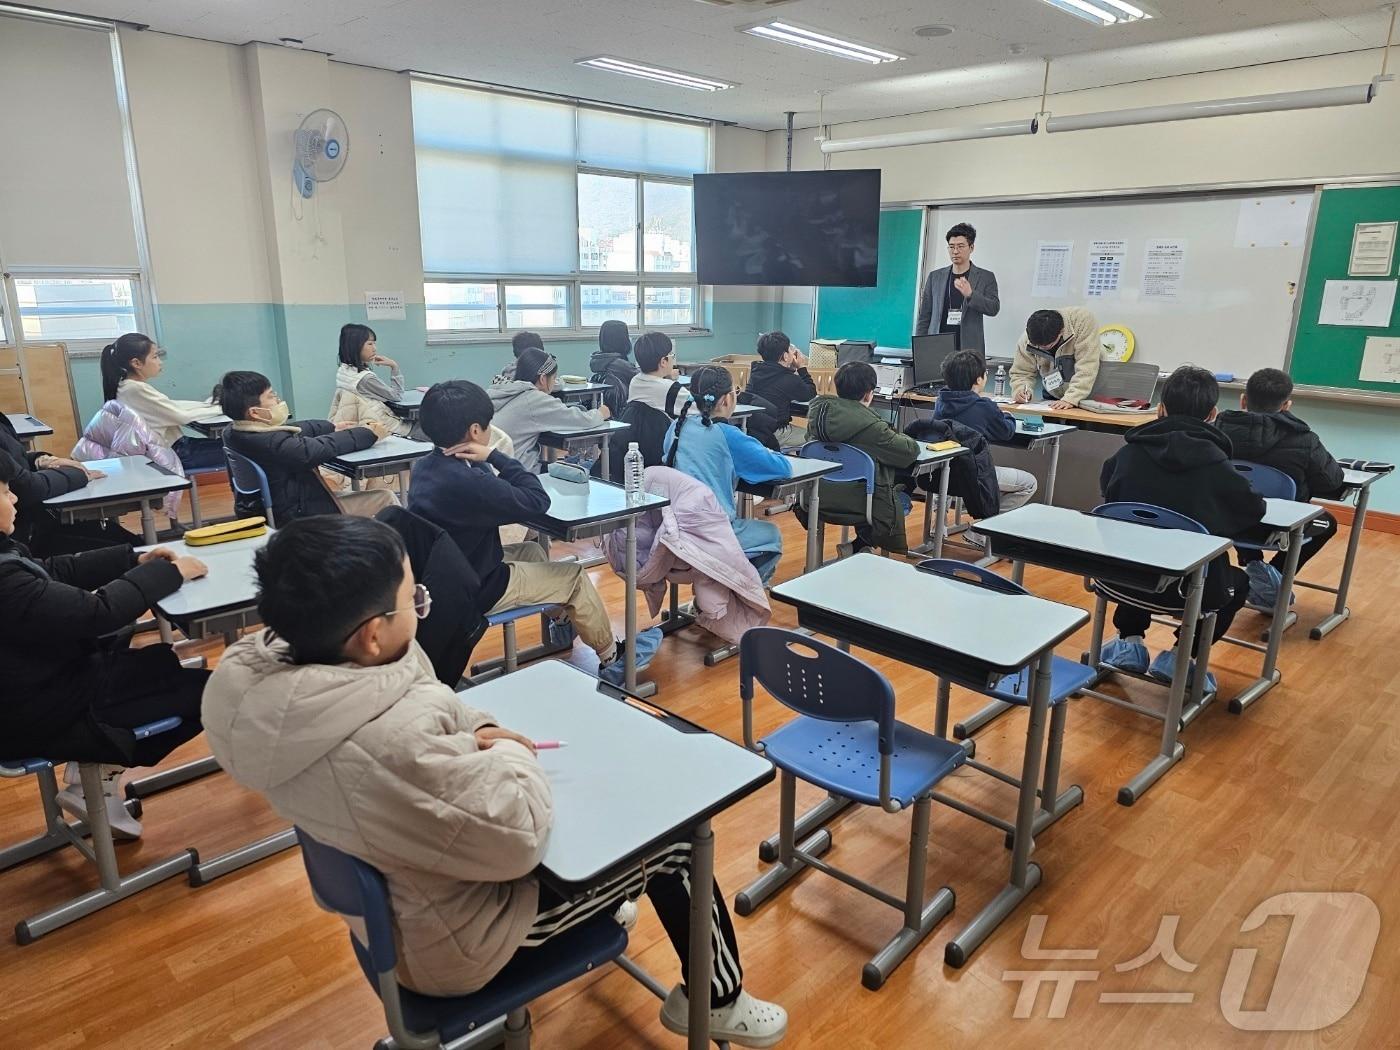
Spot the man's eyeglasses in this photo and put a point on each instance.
(1054, 347)
(422, 605)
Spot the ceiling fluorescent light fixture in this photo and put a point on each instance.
(1318, 98)
(787, 33)
(656, 74)
(37, 14)
(1101, 12)
(1005, 129)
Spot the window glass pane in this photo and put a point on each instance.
(537, 306)
(628, 142)
(462, 120)
(667, 209)
(457, 306)
(608, 302)
(607, 224)
(73, 308)
(668, 305)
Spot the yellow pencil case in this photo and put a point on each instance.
(226, 532)
(942, 446)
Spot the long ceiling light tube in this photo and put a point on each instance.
(1005, 129)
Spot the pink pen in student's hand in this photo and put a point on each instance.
(550, 745)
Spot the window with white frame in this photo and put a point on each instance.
(77, 310)
(550, 215)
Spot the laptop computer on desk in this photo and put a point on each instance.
(1122, 384)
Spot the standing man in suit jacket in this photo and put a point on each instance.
(958, 296)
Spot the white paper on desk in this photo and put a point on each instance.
(1105, 271)
(1052, 265)
(385, 306)
(1036, 406)
(1164, 269)
(1372, 249)
(1381, 361)
(1357, 304)
(1273, 222)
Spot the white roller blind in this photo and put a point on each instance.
(645, 144)
(497, 174)
(496, 189)
(64, 199)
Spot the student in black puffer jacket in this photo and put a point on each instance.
(1266, 431)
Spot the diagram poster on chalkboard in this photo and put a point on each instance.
(1339, 315)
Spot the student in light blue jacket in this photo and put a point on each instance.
(719, 455)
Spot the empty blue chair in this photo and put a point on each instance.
(58, 833)
(847, 741)
(357, 892)
(249, 479)
(505, 620)
(857, 468)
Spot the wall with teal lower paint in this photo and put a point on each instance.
(1355, 431)
(295, 347)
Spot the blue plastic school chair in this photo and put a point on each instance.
(357, 892)
(506, 620)
(58, 833)
(248, 479)
(1268, 482)
(847, 741)
(857, 468)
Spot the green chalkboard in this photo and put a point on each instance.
(1330, 355)
(884, 313)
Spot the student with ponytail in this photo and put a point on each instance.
(128, 367)
(720, 456)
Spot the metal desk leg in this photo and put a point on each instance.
(1051, 471)
(1340, 612)
(155, 783)
(1172, 749)
(355, 482)
(1025, 876)
(702, 959)
(630, 645)
(207, 871)
(607, 460)
(814, 530)
(1269, 674)
(148, 534)
(940, 526)
(403, 486)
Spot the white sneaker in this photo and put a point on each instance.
(72, 801)
(626, 915)
(744, 1022)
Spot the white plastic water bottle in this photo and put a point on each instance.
(632, 467)
(1001, 381)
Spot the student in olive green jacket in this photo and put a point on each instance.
(848, 418)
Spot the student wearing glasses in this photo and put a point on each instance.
(1061, 349)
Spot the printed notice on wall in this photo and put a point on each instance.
(385, 306)
(1372, 249)
(1357, 304)
(1381, 361)
(1105, 268)
(1163, 269)
(1052, 266)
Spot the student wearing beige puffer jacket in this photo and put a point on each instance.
(334, 715)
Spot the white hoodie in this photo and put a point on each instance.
(381, 762)
(163, 415)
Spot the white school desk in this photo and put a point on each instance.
(590, 395)
(806, 477)
(1122, 553)
(1045, 440)
(633, 780)
(578, 512)
(408, 406)
(27, 428)
(742, 414)
(132, 483)
(217, 604)
(1355, 483)
(601, 434)
(391, 455)
(1284, 521)
(935, 506)
(213, 427)
(959, 632)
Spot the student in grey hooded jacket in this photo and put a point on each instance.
(526, 407)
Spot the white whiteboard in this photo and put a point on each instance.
(1234, 310)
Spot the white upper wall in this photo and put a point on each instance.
(1304, 145)
(193, 126)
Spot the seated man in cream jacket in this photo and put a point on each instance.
(1062, 349)
(333, 714)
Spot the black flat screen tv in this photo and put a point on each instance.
(815, 228)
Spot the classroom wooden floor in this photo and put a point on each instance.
(1299, 793)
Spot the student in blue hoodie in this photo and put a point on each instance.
(469, 490)
(964, 375)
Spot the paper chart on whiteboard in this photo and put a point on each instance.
(1105, 270)
(1163, 269)
(1052, 265)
